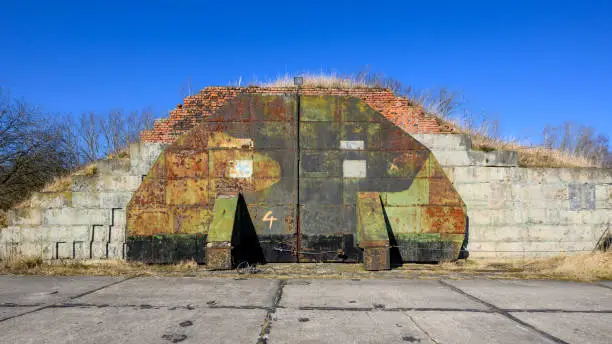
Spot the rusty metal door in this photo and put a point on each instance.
(326, 217)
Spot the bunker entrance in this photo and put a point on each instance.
(291, 178)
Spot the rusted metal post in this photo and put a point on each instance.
(298, 242)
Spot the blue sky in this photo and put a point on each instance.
(526, 63)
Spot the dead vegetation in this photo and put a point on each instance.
(36, 266)
(3, 218)
(581, 267)
(585, 267)
(322, 80)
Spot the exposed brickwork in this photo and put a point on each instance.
(398, 110)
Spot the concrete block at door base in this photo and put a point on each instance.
(218, 256)
(376, 258)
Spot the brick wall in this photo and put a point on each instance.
(397, 109)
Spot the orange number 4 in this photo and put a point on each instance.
(269, 218)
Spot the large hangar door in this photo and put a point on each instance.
(332, 160)
(272, 200)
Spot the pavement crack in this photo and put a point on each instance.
(53, 304)
(421, 329)
(266, 327)
(503, 312)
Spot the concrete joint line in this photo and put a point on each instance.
(267, 324)
(503, 312)
(555, 311)
(55, 304)
(603, 285)
(399, 309)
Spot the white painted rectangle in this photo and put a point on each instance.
(358, 145)
(354, 168)
(241, 169)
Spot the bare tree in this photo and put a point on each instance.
(32, 150)
(89, 134)
(113, 131)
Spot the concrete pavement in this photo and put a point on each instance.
(37, 309)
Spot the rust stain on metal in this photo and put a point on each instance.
(249, 147)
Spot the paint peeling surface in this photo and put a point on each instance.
(251, 147)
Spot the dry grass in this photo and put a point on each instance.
(531, 156)
(36, 266)
(64, 183)
(3, 218)
(585, 267)
(124, 153)
(323, 80)
(59, 184)
(581, 267)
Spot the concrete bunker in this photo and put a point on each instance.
(295, 178)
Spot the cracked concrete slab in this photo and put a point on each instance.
(190, 310)
(182, 291)
(391, 293)
(40, 290)
(573, 327)
(133, 325)
(538, 294)
(474, 328)
(314, 326)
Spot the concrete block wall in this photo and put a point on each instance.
(86, 222)
(534, 212)
(524, 212)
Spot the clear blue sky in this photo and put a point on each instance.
(529, 63)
